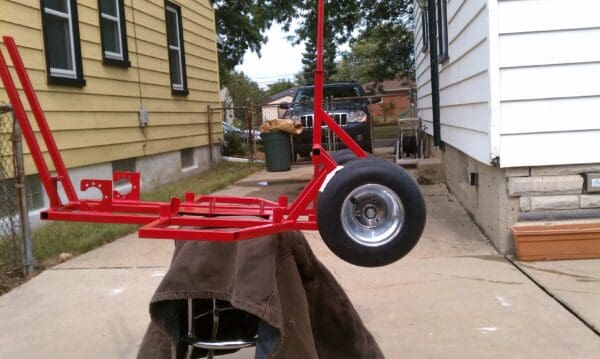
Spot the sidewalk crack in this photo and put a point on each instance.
(562, 303)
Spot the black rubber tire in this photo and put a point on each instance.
(351, 177)
(346, 155)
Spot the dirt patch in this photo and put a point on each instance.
(10, 279)
(425, 181)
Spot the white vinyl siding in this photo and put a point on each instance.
(549, 75)
(465, 96)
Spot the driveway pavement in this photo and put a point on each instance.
(453, 296)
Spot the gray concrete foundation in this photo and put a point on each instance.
(155, 170)
(484, 197)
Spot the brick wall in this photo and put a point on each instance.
(552, 188)
(401, 102)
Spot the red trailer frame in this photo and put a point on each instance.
(193, 218)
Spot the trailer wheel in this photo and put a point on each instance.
(346, 155)
(371, 213)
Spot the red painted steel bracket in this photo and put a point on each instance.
(134, 179)
(105, 202)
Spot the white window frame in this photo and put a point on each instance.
(425, 31)
(194, 164)
(116, 19)
(442, 29)
(58, 72)
(177, 86)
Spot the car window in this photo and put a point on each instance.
(229, 128)
(308, 93)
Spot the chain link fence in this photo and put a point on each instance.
(241, 131)
(15, 244)
(374, 122)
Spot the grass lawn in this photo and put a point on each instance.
(54, 238)
(386, 131)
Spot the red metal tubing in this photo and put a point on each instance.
(97, 217)
(318, 98)
(311, 190)
(236, 200)
(343, 135)
(34, 148)
(219, 222)
(38, 114)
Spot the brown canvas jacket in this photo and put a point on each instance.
(276, 278)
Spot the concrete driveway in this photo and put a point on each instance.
(453, 296)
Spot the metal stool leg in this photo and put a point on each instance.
(190, 333)
(212, 344)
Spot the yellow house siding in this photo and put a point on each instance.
(100, 122)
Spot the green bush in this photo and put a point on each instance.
(233, 145)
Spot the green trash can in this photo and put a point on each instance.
(277, 151)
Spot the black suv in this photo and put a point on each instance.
(351, 113)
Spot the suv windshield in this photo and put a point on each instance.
(308, 93)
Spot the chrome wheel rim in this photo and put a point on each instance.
(372, 215)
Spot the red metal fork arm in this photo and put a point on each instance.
(21, 115)
(343, 135)
(38, 113)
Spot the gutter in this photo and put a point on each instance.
(435, 77)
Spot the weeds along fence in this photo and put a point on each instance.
(15, 239)
(241, 130)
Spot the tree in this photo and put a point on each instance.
(241, 24)
(382, 53)
(280, 85)
(342, 19)
(387, 108)
(309, 58)
(242, 91)
(300, 80)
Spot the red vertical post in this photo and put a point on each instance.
(36, 108)
(318, 100)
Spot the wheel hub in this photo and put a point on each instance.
(372, 215)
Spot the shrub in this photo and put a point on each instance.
(233, 145)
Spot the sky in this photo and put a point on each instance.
(279, 59)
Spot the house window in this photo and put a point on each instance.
(113, 32)
(126, 165)
(35, 195)
(442, 24)
(33, 191)
(187, 158)
(425, 31)
(61, 42)
(176, 50)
